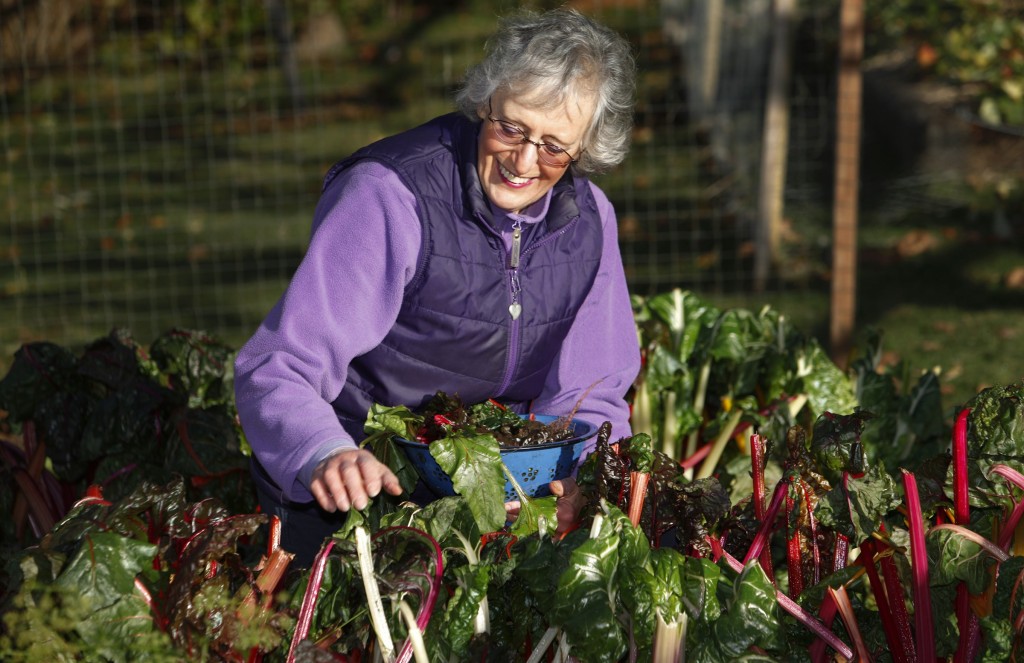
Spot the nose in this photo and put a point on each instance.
(527, 155)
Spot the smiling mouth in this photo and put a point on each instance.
(511, 179)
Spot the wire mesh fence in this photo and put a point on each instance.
(162, 160)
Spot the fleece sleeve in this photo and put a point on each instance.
(341, 302)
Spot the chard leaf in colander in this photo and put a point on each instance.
(474, 464)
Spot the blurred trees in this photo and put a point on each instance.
(976, 44)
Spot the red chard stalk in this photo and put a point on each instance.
(896, 628)
(757, 464)
(923, 627)
(966, 620)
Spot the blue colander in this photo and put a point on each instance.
(534, 466)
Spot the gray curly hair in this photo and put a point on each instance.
(553, 57)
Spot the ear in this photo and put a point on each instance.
(481, 112)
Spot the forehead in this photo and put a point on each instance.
(566, 119)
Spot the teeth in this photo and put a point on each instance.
(510, 177)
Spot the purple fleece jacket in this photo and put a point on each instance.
(345, 296)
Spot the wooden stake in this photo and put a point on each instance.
(776, 144)
(847, 180)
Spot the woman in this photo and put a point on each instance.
(468, 255)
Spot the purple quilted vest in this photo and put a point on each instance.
(455, 332)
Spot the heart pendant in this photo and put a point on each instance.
(515, 309)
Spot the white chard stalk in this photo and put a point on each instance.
(670, 429)
(707, 468)
(482, 621)
(543, 644)
(377, 617)
(670, 640)
(698, 407)
(419, 650)
(641, 419)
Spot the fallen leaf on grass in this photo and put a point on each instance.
(916, 242)
(1014, 279)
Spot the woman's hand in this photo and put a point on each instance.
(568, 504)
(350, 478)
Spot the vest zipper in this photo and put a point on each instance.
(515, 309)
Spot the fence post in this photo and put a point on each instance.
(776, 141)
(847, 180)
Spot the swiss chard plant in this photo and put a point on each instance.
(856, 526)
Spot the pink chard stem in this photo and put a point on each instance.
(962, 516)
(760, 542)
(924, 629)
(1009, 526)
(961, 505)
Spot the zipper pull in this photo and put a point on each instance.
(515, 308)
(517, 235)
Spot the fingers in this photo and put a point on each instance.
(350, 479)
(564, 487)
(512, 510)
(568, 504)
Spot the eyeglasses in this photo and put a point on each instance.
(510, 134)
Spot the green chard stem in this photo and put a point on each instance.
(707, 468)
(698, 406)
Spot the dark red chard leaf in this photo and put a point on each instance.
(209, 559)
(836, 444)
(196, 364)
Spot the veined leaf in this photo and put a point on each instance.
(474, 464)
